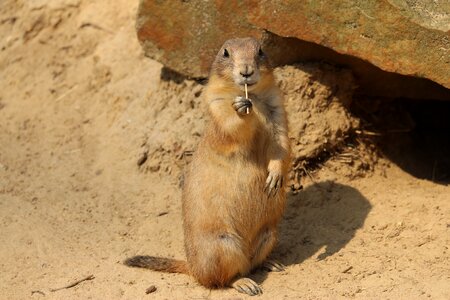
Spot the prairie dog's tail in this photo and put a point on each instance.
(158, 264)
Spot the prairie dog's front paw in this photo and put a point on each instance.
(274, 182)
(242, 105)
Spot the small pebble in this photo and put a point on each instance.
(142, 159)
(150, 289)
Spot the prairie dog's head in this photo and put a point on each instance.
(242, 61)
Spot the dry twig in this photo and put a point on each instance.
(366, 132)
(307, 173)
(37, 292)
(90, 277)
(347, 269)
(89, 24)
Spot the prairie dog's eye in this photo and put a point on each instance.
(225, 53)
(260, 53)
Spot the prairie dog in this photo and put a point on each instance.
(232, 197)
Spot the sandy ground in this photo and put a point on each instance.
(78, 106)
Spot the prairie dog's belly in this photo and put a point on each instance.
(227, 195)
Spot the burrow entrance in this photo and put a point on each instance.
(414, 134)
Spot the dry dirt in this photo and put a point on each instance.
(80, 106)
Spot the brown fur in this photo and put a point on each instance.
(158, 264)
(229, 219)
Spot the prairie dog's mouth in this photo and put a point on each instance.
(250, 86)
(247, 82)
(250, 80)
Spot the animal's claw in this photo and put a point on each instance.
(242, 105)
(274, 182)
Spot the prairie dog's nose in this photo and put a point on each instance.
(246, 71)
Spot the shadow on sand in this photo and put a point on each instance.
(323, 215)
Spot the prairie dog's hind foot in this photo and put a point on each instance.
(242, 105)
(247, 286)
(273, 266)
